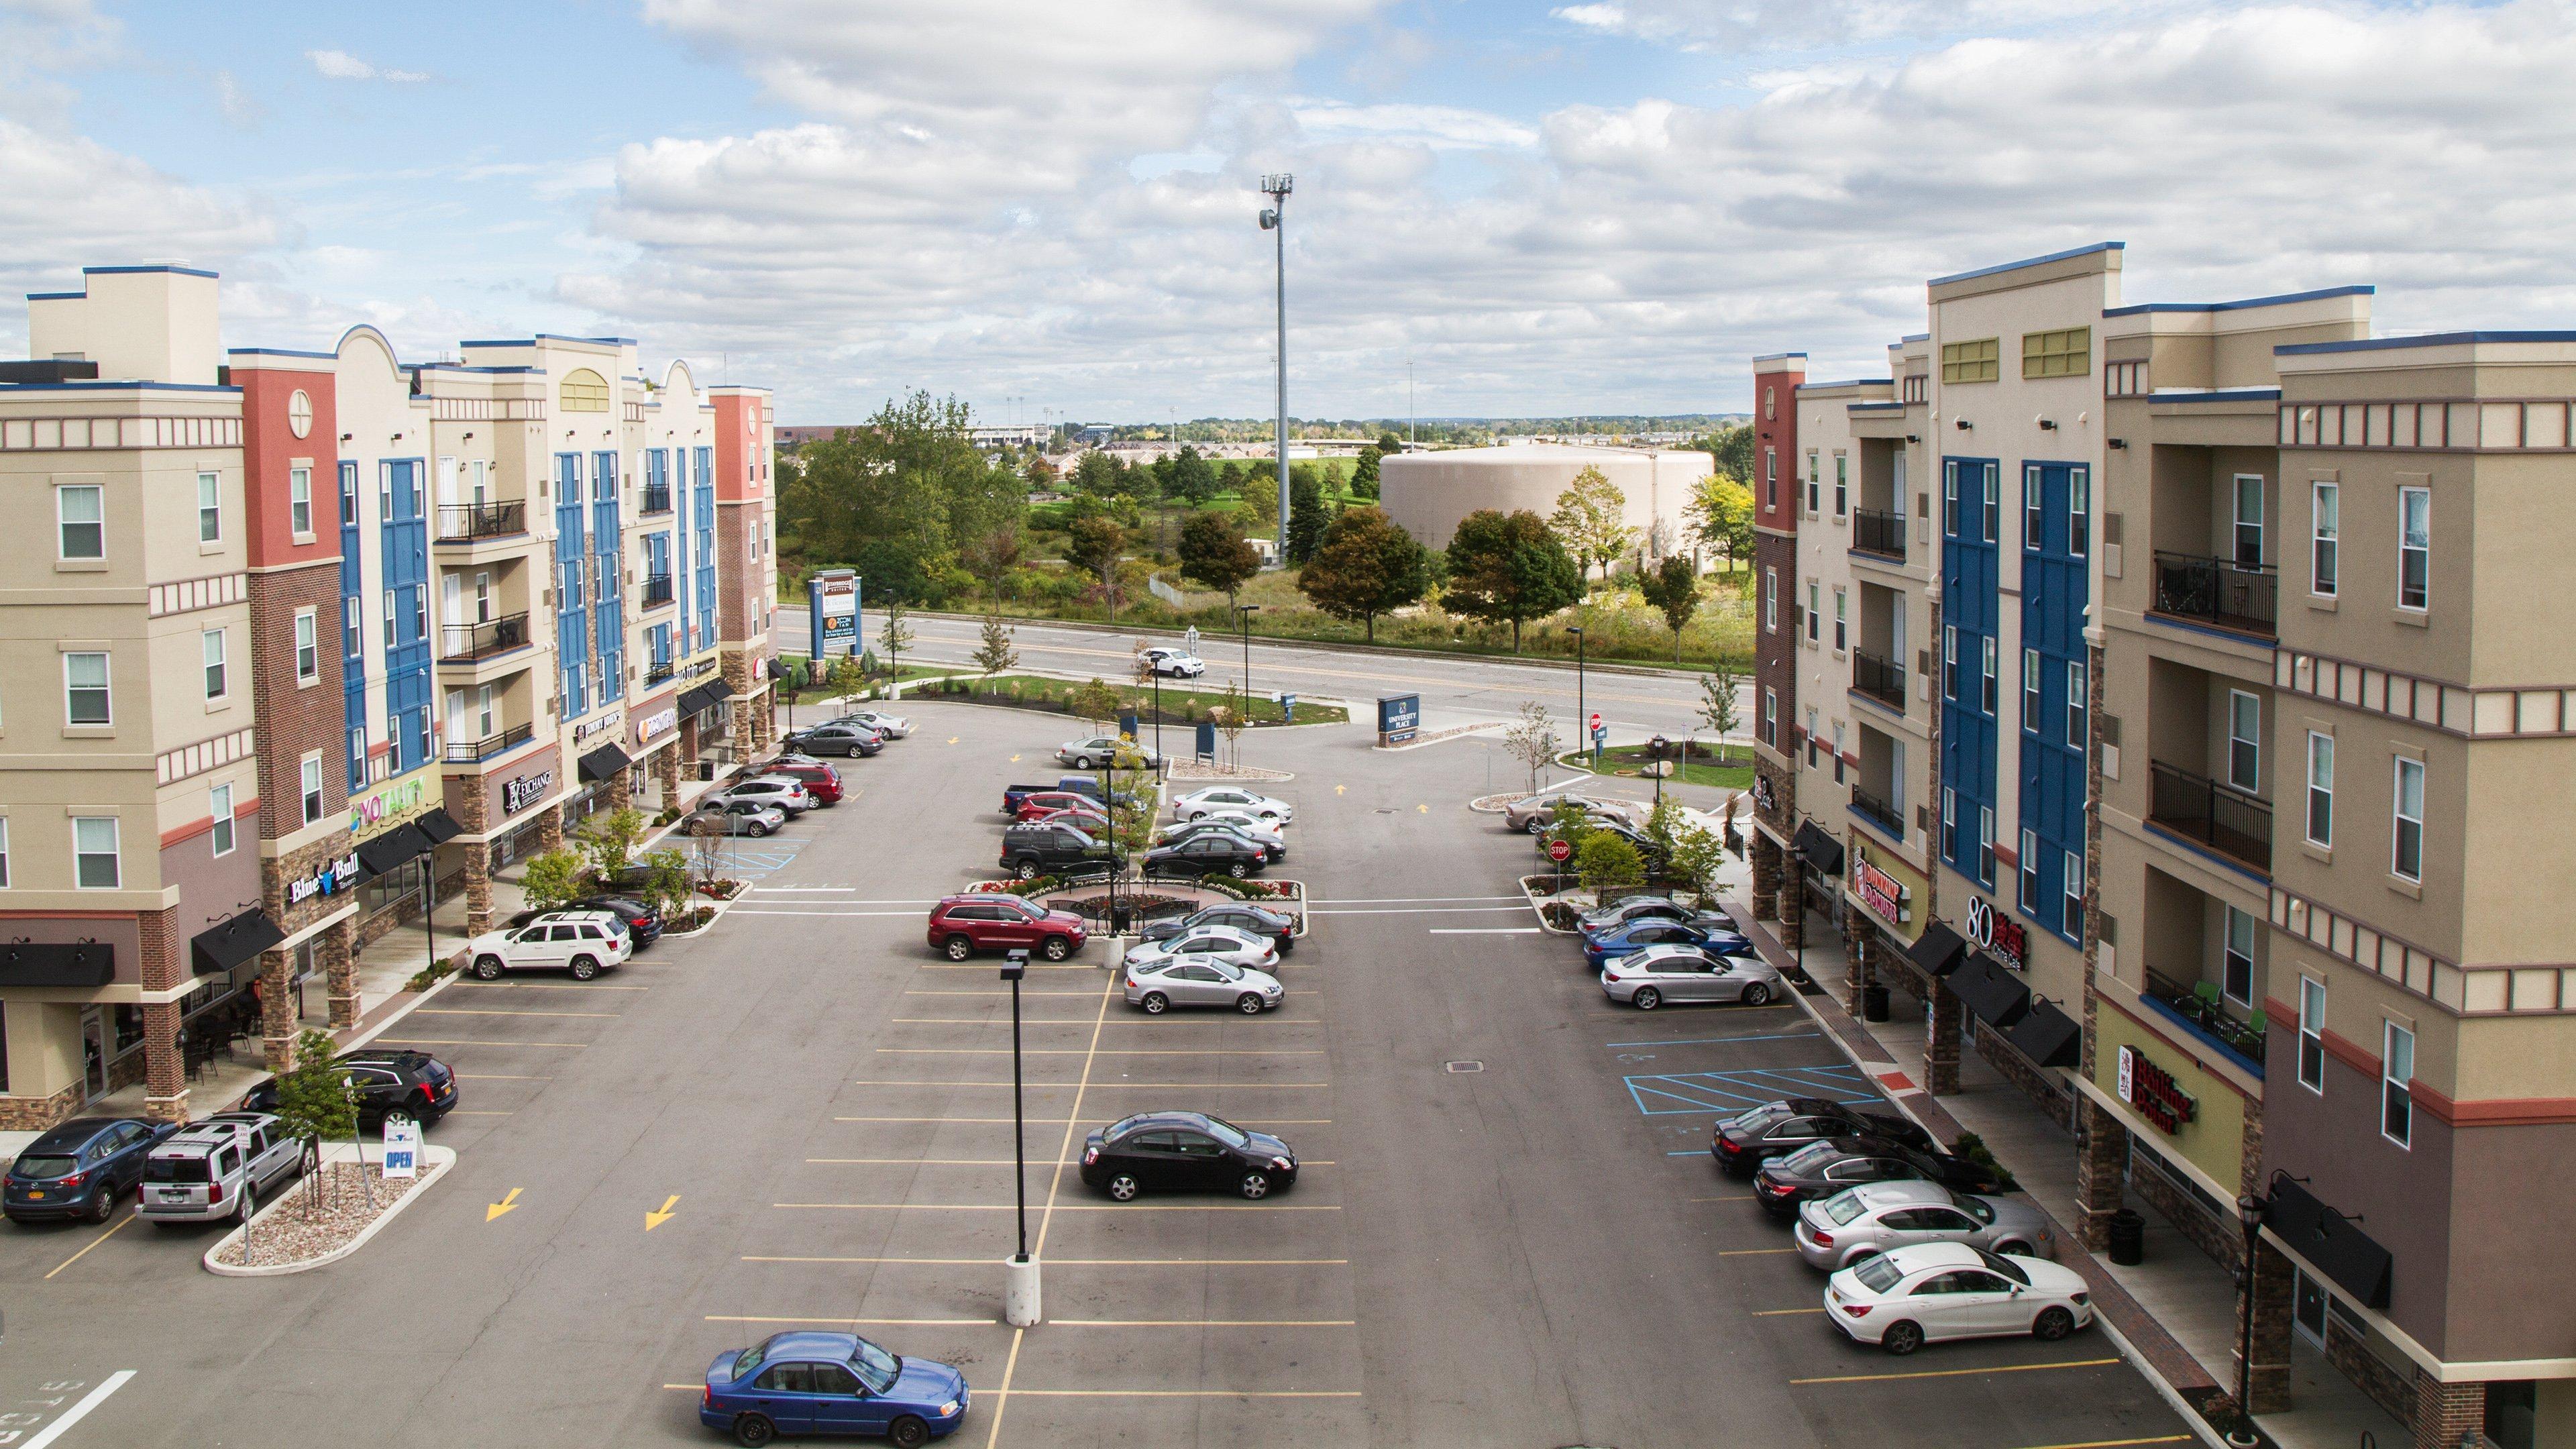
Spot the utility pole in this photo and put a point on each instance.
(1275, 220)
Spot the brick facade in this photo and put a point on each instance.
(295, 719)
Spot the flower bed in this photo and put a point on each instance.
(300, 1228)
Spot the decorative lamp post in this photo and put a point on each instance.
(1020, 1294)
(2249, 1216)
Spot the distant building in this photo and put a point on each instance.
(1429, 492)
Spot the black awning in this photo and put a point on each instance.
(2047, 1036)
(387, 852)
(693, 700)
(717, 690)
(1938, 951)
(603, 764)
(2316, 1232)
(439, 826)
(1821, 850)
(80, 963)
(1996, 995)
(227, 944)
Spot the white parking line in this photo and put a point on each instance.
(756, 911)
(80, 1411)
(1421, 910)
(1482, 931)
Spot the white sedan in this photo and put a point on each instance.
(1909, 1296)
(1173, 663)
(1217, 943)
(1243, 820)
(1263, 809)
(892, 726)
(1102, 750)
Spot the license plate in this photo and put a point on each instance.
(38, 1194)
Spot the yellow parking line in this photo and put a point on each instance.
(926, 991)
(1203, 1322)
(471, 1041)
(987, 966)
(2010, 1368)
(2120, 1443)
(871, 1322)
(1170, 1394)
(1082, 1262)
(468, 1011)
(1739, 1197)
(497, 1077)
(1070, 1052)
(1783, 1312)
(462, 1112)
(94, 1242)
(1076, 1207)
(1754, 1252)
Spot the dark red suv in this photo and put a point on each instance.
(820, 780)
(962, 925)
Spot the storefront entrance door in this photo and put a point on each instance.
(93, 1052)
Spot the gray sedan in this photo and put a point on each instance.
(733, 817)
(1859, 1222)
(1681, 973)
(1154, 986)
(1531, 813)
(1215, 943)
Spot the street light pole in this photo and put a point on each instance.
(1582, 720)
(1243, 618)
(2249, 1216)
(1275, 221)
(1020, 1303)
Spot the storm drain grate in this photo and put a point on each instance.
(1463, 1066)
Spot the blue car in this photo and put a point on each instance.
(77, 1169)
(1600, 950)
(831, 1383)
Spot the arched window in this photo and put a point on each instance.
(585, 391)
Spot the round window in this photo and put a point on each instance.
(299, 412)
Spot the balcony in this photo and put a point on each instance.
(466, 522)
(2202, 1014)
(1878, 812)
(657, 671)
(657, 498)
(657, 590)
(1879, 677)
(466, 642)
(1878, 531)
(467, 752)
(2231, 595)
(2227, 820)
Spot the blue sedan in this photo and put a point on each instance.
(831, 1383)
(1609, 946)
(77, 1169)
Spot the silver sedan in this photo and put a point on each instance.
(1679, 973)
(1156, 986)
(1214, 943)
(1532, 813)
(1858, 1222)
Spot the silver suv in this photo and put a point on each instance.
(218, 1168)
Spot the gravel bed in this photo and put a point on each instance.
(284, 1234)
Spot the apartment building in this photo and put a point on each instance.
(738, 703)
(333, 634)
(1779, 884)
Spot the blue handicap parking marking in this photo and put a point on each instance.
(757, 862)
(1726, 1093)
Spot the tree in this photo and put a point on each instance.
(896, 498)
(610, 840)
(846, 675)
(1721, 518)
(1717, 707)
(1215, 554)
(1509, 567)
(1096, 474)
(666, 882)
(1229, 478)
(1695, 857)
(1230, 719)
(1307, 518)
(1040, 473)
(553, 878)
(313, 1100)
(1732, 447)
(1389, 443)
(896, 636)
(1366, 566)
(1364, 479)
(1094, 545)
(995, 654)
(1589, 517)
(1192, 480)
(1608, 864)
(991, 557)
(1674, 589)
(1261, 498)
(1531, 739)
(1097, 700)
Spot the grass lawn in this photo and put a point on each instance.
(1180, 706)
(817, 693)
(1698, 770)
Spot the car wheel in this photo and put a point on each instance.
(1155, 1003)
(2015, 1249)
(702, 827)
(1757, 994)
(1057, 948)
(1249, 1003)
(960, 947)
(1026, 870)
(102, 1206)
(584, 968)
(1648, 998)
(1902, 1337)
(1538, 825)
(908, 1432)
(754, 1429)
(756, 830)
(1256, 1185)
(1124, 1187)
(2052, 1324)
(1238, 870)
(487, 968)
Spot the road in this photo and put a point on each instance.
(1454, 688)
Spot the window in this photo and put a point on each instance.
(211, 642)
(219, 804)
(1771, 718)
(2079, 511)
(2071, 919)
(2312, 1035)
(299, 501)
(1815, 610)
(2030, 690)
(420, 611)
(2034, 493)
(2067, 352)
(2078, 699)
(389, 618)
(2325, 515)
(1994, 507)
(1950, 498)
(1812, 481)
(1977, 361)
(2320, 788)
(85, 689)
(210, 507)
(1842, 619)
(1950, 662)
(1812, 742)
(357, 764)
(2030, 871)
(1838, 752)
(2249, 521)
(1950, 825)
(1842, 485)
(2236, 959)
(2244, 742)
(348, 495)
(94, 852)
(1988, 696)
(2396, 1101)
(4, 872)
(80, 521)
(2414, 547)
(1770, 477)
(1986, 844)
(308, 649)
(2406, 854)
(1770, 601)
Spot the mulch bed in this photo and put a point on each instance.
(285, 1234)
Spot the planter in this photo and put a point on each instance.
(307, 1247)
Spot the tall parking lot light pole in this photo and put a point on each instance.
(1243, 618)
(1274, 219)
(1020, 1295)
(1582, 721)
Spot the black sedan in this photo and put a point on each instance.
(1184, 1152)
(76, 1169)
(1252, 920)
(1827, 1166)
(1741, 1144)
(387, 1082)
(641, 921)
(1213, 853)
(1619, 913)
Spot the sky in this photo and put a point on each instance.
(1049, 209)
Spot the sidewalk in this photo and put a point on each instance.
(2176, 1309)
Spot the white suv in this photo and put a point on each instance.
(218, 1168)
(582, 942)
(1174, 663)
(784, 791)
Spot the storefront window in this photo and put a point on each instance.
(129, 1029)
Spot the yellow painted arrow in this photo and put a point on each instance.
(952, 739)
(1340, 789)
(1425, 809)
(654, 1220)
(1015, 759)
(508, 1204)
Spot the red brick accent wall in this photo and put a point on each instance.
(293, 720)
(270, 448)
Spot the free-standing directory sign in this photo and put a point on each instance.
(833, 602)
(1399, 718)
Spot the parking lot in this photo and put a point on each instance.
(1506, 1229)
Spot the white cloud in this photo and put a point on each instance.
(1741, 25)
(73, 202)
(341, 65)
(1442, 128)
(239, 107)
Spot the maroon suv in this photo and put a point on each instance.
(962, 925)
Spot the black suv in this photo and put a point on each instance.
(1048, 848)
(1741, 1144)
(1250, 919)
(1213, 853)
(387, 1081)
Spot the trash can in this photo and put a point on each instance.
(1122, 918)
(1873, 1002)
(2128, 1238)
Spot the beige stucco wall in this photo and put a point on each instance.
(1427, 493)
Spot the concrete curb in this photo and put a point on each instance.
(1333, 646)
(1538, 909)
(1440, 737)
(434, 1160)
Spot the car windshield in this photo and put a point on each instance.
(1878, 1275)
(1119, 1128)
(175, 1169)
(1842, 1207)
(1227, 1133)
(1974, 1207)
(1225, 969)
(2005, 1266)
(42, 1166)
(1759, 1118)
(1811, 1158)
(747, 1362)
(875, 1367)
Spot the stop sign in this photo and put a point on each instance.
(1596, 723)
(1560, 850)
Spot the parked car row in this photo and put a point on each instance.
(1652, 950)
(1221, 830)
(784, 789)
(853, 736)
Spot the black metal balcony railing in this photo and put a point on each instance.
(2201, 1011)
(2221, 817)
(657, 589)
(1880, 678)
(2221, 591)
(467, 752)
(462, 522)
(1879, 812)
(481, 641)
(657, 498)
(1878, 531)
(658, 670)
